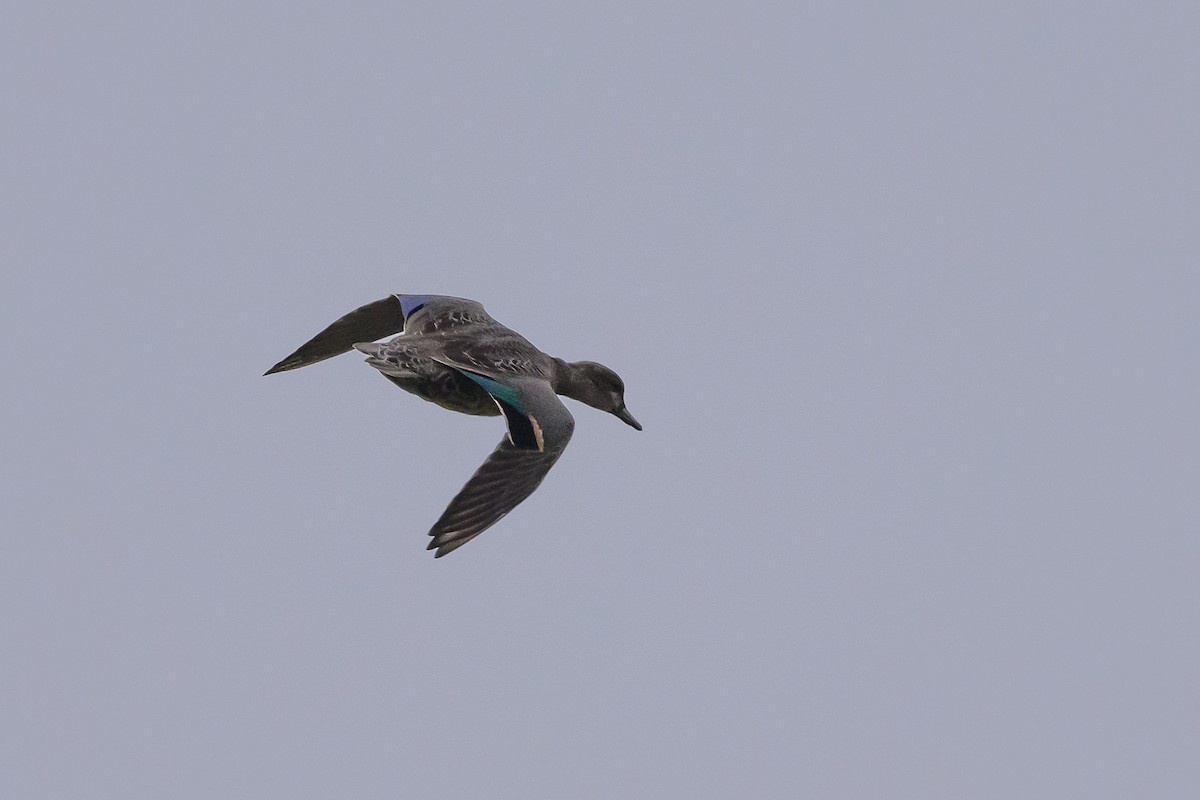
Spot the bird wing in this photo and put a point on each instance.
(417, 314)
(539, 428)
(429, 314)
(364, 324)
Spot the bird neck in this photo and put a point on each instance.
(569, 381)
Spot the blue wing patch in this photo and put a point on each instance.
(502, 392)
(411, 302)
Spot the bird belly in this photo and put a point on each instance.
(451, 390)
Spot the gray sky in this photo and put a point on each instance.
(906, 299)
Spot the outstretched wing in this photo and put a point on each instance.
(364, 324)
(410, 313)
(539, 428)
(508, 476)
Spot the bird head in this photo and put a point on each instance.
(599, 387)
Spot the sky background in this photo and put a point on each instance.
(904, 294)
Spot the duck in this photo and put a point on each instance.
(451, 352)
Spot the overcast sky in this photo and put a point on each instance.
(905, 296)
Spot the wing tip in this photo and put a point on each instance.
(444, 545)
(441, 550)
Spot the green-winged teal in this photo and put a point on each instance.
(452, 353)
